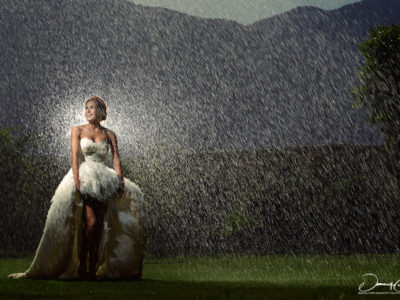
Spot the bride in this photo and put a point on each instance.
(95, 225)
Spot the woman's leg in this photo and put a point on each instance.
(99, 210)
(88, 219)
(93, 214)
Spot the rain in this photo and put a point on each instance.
(239, 128)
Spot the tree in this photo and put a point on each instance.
(20, 181)
(379, 92)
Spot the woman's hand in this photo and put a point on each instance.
(78, 185)
(121, 186)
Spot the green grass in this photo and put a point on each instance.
(221, 277)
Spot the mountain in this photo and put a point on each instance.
(337, 199)
(244, 12)
(170, 77)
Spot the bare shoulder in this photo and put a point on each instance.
(113, 141)
(76, 130)
(111, 134)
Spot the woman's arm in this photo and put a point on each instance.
(114, 151)
(75, 133)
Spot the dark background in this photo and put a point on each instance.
(242, 137)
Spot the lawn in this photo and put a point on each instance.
(319, 276)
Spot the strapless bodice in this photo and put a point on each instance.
(94, 151)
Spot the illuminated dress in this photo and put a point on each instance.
(123, 237)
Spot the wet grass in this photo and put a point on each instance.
(221, 277)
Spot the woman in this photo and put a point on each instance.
(94, 228)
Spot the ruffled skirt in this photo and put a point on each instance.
(123, 237)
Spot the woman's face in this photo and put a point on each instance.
(91, 113)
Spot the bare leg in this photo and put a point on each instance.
(89, 220)
(93, 214)
(96, 236)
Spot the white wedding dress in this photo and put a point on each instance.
(123, 238)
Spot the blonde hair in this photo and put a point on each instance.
(102, 106)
